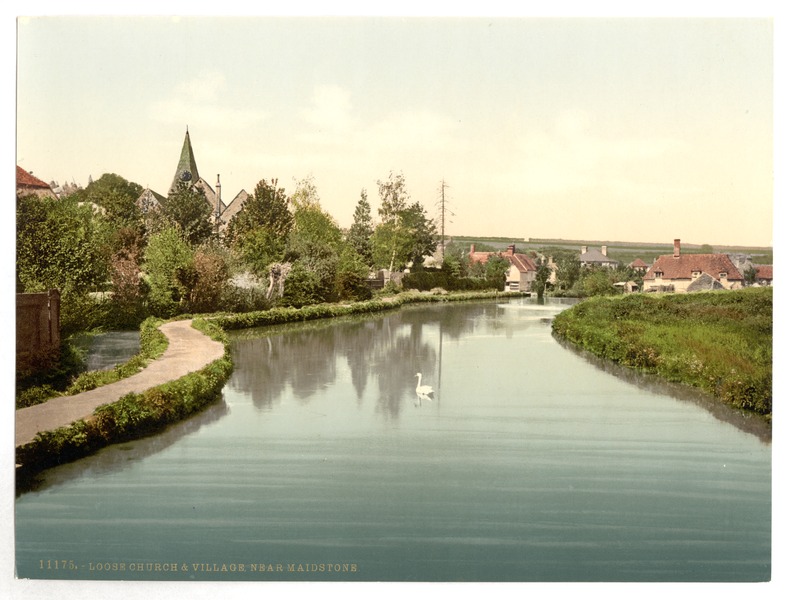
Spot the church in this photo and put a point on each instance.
(187, 172)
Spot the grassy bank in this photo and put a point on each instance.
(721, 342)
(279, 316)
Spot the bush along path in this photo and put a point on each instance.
(721, 342)
(187, 376)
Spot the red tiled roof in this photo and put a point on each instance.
(523, 263)
(764, 271)
(25, 179)
(683, 266)
(638, 263)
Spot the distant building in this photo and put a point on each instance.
(28, 185)
(590, 257)
(522, 269)
(764, 274)
(187, 173)
(638, 265)
(679, 272)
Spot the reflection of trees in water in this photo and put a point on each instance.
(304, 359)
(744, 420)
(120, 456)
(390, 348)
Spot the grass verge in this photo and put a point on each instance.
(721, 342)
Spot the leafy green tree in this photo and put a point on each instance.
(258, 249)
(186, 208)
(567, 268)
(116, 196)
(267, 208)
(60, 245)
(405, 234)
(315, 241)
(750, 275)
(362, 229)
(167, 258)
(496, 267)
(259, 232)
(351, 275)
(542, 276)
(302, 287)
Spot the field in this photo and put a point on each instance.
(626, 252)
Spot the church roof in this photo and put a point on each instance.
(186, 170)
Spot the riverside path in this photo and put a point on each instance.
(188, 350)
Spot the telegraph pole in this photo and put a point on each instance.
(443, 186)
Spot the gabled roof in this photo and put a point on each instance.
(684, 265)
(186, 170)
(764, 272)
(638, 264)
(522, 262)
(27, 180)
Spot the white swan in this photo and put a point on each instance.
(424, 391)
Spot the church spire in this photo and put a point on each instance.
(186, 170)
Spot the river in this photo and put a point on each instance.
(529, 462)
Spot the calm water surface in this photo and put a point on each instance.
(530, 463)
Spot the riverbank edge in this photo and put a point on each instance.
(620, 346)
(138, 415)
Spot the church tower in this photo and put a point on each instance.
(186, 170)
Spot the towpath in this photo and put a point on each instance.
(188, 350)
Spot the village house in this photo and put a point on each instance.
(638, 266)
(764, 274)
(522, 269)
(28, 185)
(679, 272)
(591, 257)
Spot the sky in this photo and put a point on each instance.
(609, 128)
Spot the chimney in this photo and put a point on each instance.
(472, 248)
(604, 251)
(510, 250)
(583, 249)
(676, 248)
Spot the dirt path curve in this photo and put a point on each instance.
(188, 350)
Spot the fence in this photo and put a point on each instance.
(37, 329)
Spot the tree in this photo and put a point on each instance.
(567, 268)
(117, 196)
(63, 245)
(187, 208)
(405, 233)
(60, 245)
(315, 241)
(167, 256)
(542, 275)
(258, 233)
(267, 208)
(362, 229)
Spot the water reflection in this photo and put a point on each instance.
(381, 351)
(120, 456)
(744, 420)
